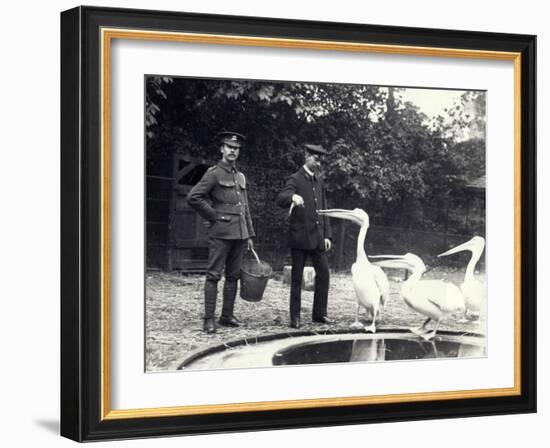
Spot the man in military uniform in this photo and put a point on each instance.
(220, 198)
(309, 235)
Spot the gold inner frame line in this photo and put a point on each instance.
(107, 35)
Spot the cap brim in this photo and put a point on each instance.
(315, 149)
(230, 134)
(232, 144)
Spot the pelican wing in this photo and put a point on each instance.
(365, 285)
(474, 294)
(435, 303)
(446, 296)
(382, 283)
(443, 296)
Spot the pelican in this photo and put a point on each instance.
(370, 282)
(435, 299)
(472, 289)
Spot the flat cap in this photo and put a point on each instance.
(318, 149)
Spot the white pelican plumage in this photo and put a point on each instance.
(370, 282)
(473, 290)
(435, 299)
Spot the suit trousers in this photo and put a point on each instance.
(320, 295)
(222, 254)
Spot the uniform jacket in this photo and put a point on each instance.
(308, 229)
(220, 197)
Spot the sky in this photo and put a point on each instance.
(432, 101)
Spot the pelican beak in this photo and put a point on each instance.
(468, 245)
(341, 213)
(391, 261)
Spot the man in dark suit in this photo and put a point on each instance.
(309, 235)
(220, 197)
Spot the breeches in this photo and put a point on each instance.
(228, 255)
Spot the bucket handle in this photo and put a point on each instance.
(256, 255)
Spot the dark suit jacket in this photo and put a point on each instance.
(308, 229)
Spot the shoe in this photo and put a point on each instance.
(230, 321)
(209, 325)
(295, 322)
(323, 320)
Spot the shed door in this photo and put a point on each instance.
(189, 240)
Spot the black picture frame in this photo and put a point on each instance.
(83, 407)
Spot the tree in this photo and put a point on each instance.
(154, 93)
(385, 156)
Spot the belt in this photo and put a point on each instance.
(230, 209)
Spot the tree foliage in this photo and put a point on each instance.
(385, 155)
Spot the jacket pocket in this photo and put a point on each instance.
(227, 189)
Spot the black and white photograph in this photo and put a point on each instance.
(296, 223)
(232, 224)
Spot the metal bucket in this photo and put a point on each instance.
(254, 277)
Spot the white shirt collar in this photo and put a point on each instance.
(311, 173)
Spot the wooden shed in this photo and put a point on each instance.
(176, 236)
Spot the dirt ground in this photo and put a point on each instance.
(174, 310)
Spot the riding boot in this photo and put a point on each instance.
(210, 295)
